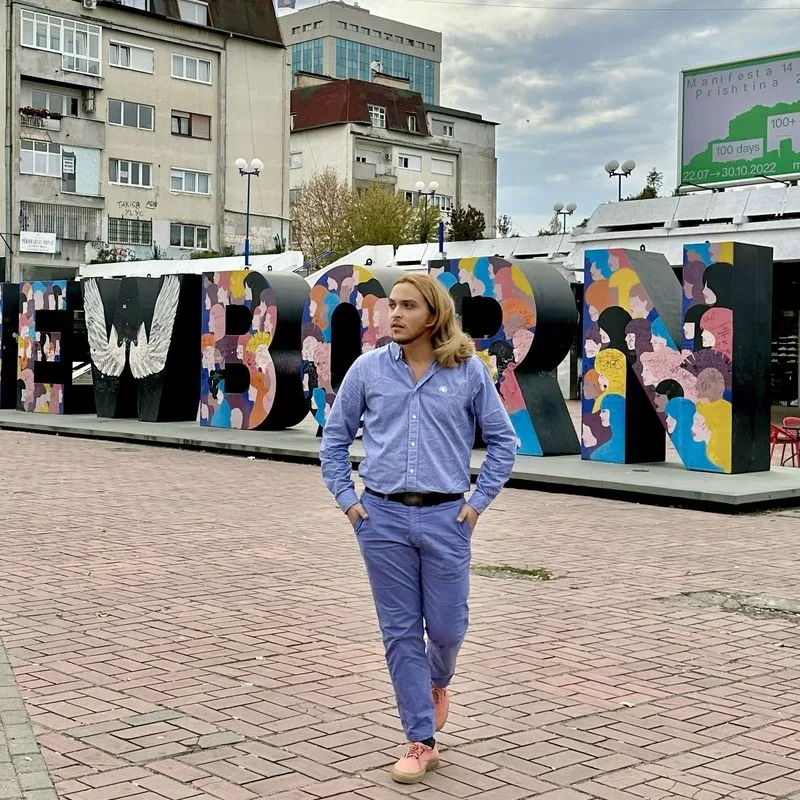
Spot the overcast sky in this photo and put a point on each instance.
(573, 88)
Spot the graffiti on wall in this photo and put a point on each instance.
(523, 319)
(250, 375)
(143, 344)
(650, 346)
(9, 322)
(346, 314)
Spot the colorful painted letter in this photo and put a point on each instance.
(251, 363)
(48, 346)
(697, 367)
(347, 312)
(523, 319)
(9, 320)
(143, 343)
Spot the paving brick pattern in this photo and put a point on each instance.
(191, 626)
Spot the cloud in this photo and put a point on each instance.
(573, 89)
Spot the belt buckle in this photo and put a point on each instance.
(413, 499)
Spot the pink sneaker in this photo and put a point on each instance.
(441, 706)
(413, 766)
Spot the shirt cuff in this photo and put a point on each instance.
(346, 499)
(479, 501)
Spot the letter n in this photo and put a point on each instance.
(522, 318)
(9, 321)
(49, 343)
(694, 361)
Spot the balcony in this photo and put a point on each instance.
(49, 66)
(383, 174)
(65, 221)
(40, 119)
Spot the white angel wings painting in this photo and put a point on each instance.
(146, 355)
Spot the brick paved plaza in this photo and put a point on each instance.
(183, 625)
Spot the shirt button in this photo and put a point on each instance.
(413, 416)
(413, 444)
(411, 470)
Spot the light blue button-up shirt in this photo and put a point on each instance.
(418, 437)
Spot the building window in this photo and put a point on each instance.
(388, 37)
(193, 11)
(295, 160)
(130, 115)
(292, 120)
(398, 39)
(443, 202)
(317, 24)
(130, 231)
(52, 101)
(308, 57)
(442, 128)
(353, 27)
(421, 45)
(353, 60)
(80, 170)
(368, 157)
(187, 68)
(184, 180)
(441, 166)
(431, 47)
(410, 162)
(40, 158)
(307, 26)
(365, 31)
(198, 126)
(377, 115)
(294, 196)
(296, 30)
(410, 42)
(78, 43)
(127, 56)
(142, 5)
(195, 237)
(376, 34)
(130, 173)
(342, 25)
(412, 123)
(409, 197)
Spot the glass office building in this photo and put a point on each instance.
(308, 57)
(353, 60)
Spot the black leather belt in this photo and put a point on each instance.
(417, 498)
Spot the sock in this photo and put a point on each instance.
(429, 742)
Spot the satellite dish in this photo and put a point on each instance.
(376, 66)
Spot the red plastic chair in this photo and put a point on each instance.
(786, 437)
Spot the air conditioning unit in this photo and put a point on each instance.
(90, 4)
(88, 96)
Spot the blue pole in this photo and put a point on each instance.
(441, 236)
(247, 226)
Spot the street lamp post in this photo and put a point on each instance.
(565, 212)
(615, 171)
(433, 187)
(248, 170)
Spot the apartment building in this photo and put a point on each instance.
(346, 41)
(124, 122)
(382, 133)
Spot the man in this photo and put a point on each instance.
(420, 397)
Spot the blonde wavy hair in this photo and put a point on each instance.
(451, 346)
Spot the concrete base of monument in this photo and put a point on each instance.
(656, 484)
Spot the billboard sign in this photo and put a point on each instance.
(740, 122)
(34, 242)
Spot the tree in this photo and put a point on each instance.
(554, 228)
(505, 227)
(318, 215)
(466, 225)
(426, 223)
(655, 180)
(378, 215)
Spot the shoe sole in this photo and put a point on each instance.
(404, 777)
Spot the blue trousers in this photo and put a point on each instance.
(417, 560)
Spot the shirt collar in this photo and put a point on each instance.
(395, 350)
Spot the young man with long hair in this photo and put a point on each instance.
(420, 397)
